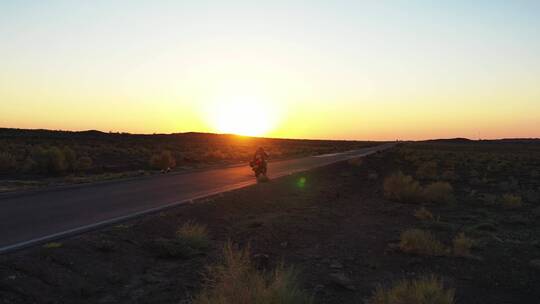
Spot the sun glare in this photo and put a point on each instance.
(243, 115)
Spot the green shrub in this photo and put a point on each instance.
(237, 281)
(438, 192)
(511, 201)
(162, 161)
(427, 290)
(421, 242)
(402, 188)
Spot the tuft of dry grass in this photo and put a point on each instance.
(511, 201)
(423, 214)
(402, 188)
(191, 239)
(462, 245)
(421, 242)
(438, 192)
(195, 235)
(53, 245)
(426, 290)
(237, 281)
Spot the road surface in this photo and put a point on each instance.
(41, 216)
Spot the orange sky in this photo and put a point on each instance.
(297, 69)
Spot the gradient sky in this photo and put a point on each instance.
(328, 69)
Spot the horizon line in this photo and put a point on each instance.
(269, 137)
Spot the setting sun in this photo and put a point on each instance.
(243, 115)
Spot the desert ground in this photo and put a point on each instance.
(463, 213)
(31, 159)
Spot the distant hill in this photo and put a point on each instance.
(466, 140)
(521, 140)
(451, 140)
(95, 134)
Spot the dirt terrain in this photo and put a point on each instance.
(334, 224)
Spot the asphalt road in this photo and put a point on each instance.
(40, 216)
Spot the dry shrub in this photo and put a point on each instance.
(242, 155)
(449, 175)
(355, 162)
(423, 214)
(237, 281)
(402, 188)
(438, 192)
(50, 160)
(84, 163)
(511, 201)
(421, 242)
(215, 155)
(7, 162)
(427, 290)
(163, 160)
(486, 198)
(462, 245)
(71, 158)
(427, 170)
(195, 235)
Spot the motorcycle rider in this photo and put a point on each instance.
(261, 156)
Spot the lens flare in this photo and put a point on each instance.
(301, 183)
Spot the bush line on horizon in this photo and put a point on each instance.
(28, 154)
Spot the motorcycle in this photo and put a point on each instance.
(259, 168)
